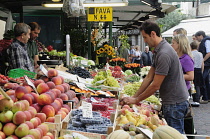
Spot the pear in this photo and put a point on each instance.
(123, 120)
(141, 121)
(131, 119)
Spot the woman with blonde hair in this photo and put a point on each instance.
(181, 45)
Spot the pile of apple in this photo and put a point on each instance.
(116, 71)
(49, 99)
(19, 120)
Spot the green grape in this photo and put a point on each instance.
(153, 99)
(131, 88)
(111, 81)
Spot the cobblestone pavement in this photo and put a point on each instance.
(202, 120)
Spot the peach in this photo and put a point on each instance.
(28, 88)
(28, 137)
(52, 73)
(32, 110)
(35, 95)
(10, 92)
(65, 110)
(52, 95)
(48, 110)
(44, 78)
(40, 131)
(44, 99)
(67, 107)
(50, 119)
(53, 92)
(46, 137)
(60, 100)
(22, 130)
(28, 115)
(35, 133)
(6, 116)
(37, 107)
(35, 122)
(42, 87)
(41, 116)
(68, 86)
(6, 104)
(44, 128)
(10, 85)
(57, 80)
(64, 96)
(12, 137)
(26, 103)
(76, 100)
(37, 82)
(58, 92)
(60, 87)
(50, 135)
(19, 118)
(51, 84)
(73, 94)
(18, 106)
(70, 96)
(2, 135)
(13, 97)
(30, 124)
(38, 119)
(62, 113)
(61, 79)
(65, 87)
(20, 91)
(29, 98)
(56, 106)
(9, 129)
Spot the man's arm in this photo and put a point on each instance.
(206, 56)
(189, 76)
(146, 82)
(36, 58)
(207, 45)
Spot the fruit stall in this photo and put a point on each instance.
(81, 101)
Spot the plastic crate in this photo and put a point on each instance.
(16, 73)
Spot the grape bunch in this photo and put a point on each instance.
(83, 73)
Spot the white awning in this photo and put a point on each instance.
(192, 26)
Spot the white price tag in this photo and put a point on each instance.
(93, 99)
(87, 109)
(42, 68)
(81, 85)
(29, 82)
(135, 109)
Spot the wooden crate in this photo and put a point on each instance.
(58, 124)
(86, 134)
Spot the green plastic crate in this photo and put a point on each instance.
(16, 73)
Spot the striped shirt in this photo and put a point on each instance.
(18, 56)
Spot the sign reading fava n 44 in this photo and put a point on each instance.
(100, 14)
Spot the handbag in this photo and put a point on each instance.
(189, 111)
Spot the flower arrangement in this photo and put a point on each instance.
(117, 61)
(105, 51)
(134, 67)
(97, 37)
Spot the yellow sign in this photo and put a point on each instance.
(100, 14)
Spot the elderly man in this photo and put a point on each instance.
(146, 57)
(17, 51)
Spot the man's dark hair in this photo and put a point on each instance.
(149, 26)
(34, 25)
(199, 33)
(194, 45)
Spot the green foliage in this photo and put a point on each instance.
(171, 20)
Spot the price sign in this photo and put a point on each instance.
(87, 109)
(42, 68)
(30, 83)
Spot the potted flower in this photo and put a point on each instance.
(117, 62)
(104, 52)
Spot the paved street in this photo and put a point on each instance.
(202, 120)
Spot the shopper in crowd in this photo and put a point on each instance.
(124, 53)
(165, 75)
(194, 38)
(181, 45)
(137, 55)
(17, 51)
(116, 51)
(146, 57)
(198, 75)
(32, 45)
(180, 31)
(204, 48)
